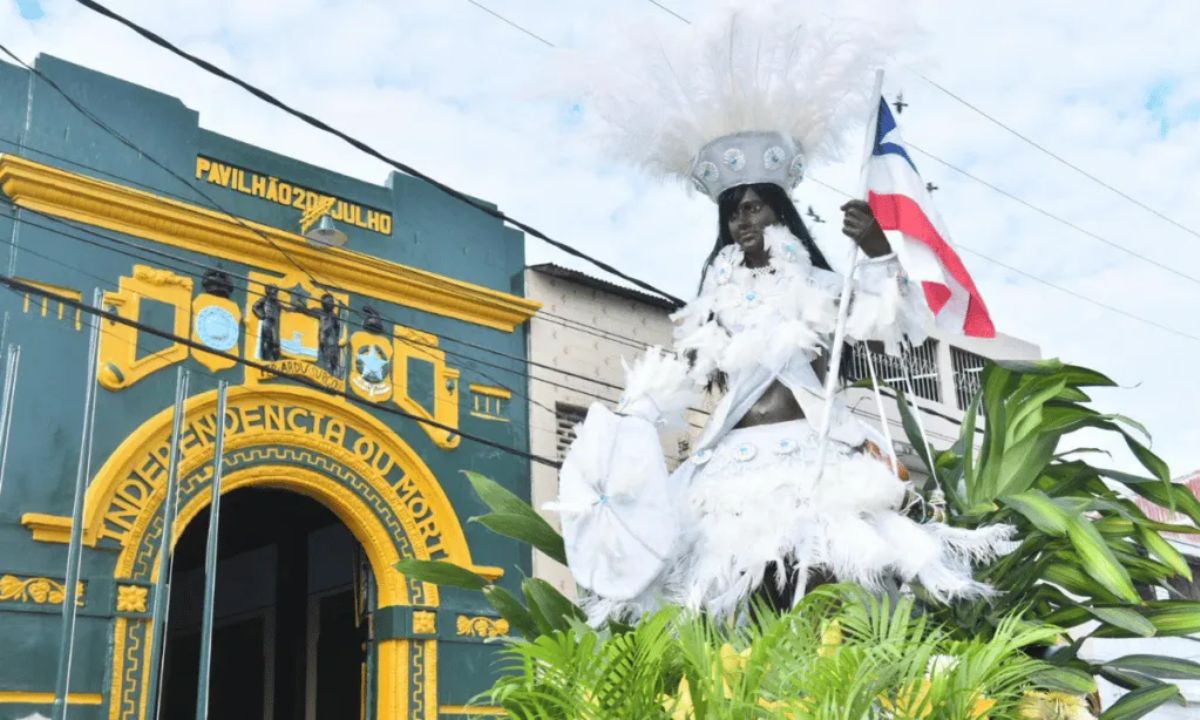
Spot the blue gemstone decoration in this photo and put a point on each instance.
(786, 446)
(603, 499)
(702, 456)
(751, 296)
(744, 453)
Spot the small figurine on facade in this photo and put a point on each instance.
(329, 335)
(217, 282)
(372, 322)
(267, 310)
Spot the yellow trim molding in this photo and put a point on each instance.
(484, 710)
(503, 393)
(191, 227)
(24, 697)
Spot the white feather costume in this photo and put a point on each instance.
(750, 497)
(758, 96)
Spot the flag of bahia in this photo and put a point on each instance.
(905, 211)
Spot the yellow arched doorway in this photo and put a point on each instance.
(299, 440)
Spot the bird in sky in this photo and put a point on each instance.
(813, 214)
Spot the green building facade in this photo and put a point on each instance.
(328, 480)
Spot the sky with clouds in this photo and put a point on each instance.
(1113, 87)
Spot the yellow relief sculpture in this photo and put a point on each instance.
(37, 590)
(120, 364)
(424, 622)
(131, 598)
(298, 299)
(421, 346)
(216, 323)
(370, 366)
(480, 626)
(43, 303)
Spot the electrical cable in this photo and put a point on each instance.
(251, 292)
(1047, 283)
(505, 20)
(24, 287)
(1052, 154)
(1052, 216)
(412, 342)
(369, 150)
(215, 205)
(1057, 157)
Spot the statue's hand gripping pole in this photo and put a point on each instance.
(839, 330)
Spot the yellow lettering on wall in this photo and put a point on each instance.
(313, 204)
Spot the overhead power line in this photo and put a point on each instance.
(505, 20)
(1030, 141)
(1042, 148)
(1056, 218)
(24, 287)
(1043, 281)
(369, 150)
(669, 11)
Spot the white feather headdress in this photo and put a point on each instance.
(753, 94)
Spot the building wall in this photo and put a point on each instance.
(443, 271)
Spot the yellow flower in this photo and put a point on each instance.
(831, 638)
(981, 707)
(907, 702)
(1054, 706)
(682, 703)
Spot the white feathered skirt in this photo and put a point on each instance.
(753, 501)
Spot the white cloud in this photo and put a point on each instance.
(447, 88)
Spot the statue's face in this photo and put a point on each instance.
(748, 221)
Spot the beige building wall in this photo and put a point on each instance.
(588, 325)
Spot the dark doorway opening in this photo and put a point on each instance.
(289, 640)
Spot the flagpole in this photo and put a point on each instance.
(66, 646)
(839, 331)
(160, 608)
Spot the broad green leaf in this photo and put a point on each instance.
(1126, 619)
(1127, 680)
(549, 605)
(1073, 395)
(1024, 462)
(912, 429)
(1027, 416)
(511, 609)
(1164, 551)
(1138, 702)
(1074, 581)
(1069, 616)
(966, 441)
(1047, 366)
(442, 573)
(1078, 376)
(1159, 666)
(496, 496)
(1066, 679)
(528, 530)
(1174, 617)
(1039, 509)
(1171, 495)
(1098, 560)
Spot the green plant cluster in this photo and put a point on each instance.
(1085, 550)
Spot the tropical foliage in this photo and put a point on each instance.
(1085, 551)
(841, 653)
(1086, 548)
